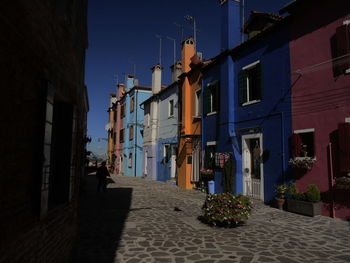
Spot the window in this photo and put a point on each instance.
(344, 147)
(211, 98)
(114, 137)
(198, 104)
(171, 108)
(166, 153)
(342, 38)
(61, 152)
(131, 132)
(122, 110)
(146, 120)
(132, 104)
(209, 156)
(130, 160)
(250, 84)
(302, 143)
(121, 138)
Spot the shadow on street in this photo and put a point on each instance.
(101, 221)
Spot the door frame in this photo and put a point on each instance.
(246, 157)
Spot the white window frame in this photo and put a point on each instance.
(165, 148)
(198, 104)
(247, 67)
(171, 108)
(130, 160)
(301, 131)
(211, 96)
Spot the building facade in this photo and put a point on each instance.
(320, 63)
(118, 125)
(189, 140)
(43, 115)
(167, 136)
(132, 131)
(247, 99)
(111, 132)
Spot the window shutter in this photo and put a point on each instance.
(216, 93)
(46, 167)
(295, 145)
(206, 99)
(242, 85)
(259, 78)
(344, 147)
(343, 47)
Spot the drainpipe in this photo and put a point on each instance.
(136, 125)
(283, 148)
(332, 179)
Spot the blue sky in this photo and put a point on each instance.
(122, 34)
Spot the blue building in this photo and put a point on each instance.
(168, 132)
(161, 126)
(132, 132)
(247, 100)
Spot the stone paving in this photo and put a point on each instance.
(135, 221)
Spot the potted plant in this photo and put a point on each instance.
(307, 203)
(280, 192)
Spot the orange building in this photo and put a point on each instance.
(189, 147)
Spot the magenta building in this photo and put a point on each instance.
(320, 85)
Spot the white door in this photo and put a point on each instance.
(252, 166)
(145, 163)
(173, 162)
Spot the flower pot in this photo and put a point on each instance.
(304, 208)
(280, 203)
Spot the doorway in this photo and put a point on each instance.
(252, 166)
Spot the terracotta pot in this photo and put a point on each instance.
(280, 203)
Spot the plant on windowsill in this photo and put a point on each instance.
(206, 171)
(307, 203)
(343, 182)
(303, 163)
(226, 209)
(280, 192)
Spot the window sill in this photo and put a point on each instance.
(197, 117)
(170, 117)
(304, 158)
(250, 102)
(211, 113)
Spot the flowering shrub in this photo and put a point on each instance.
(226, 209)
(302, 163)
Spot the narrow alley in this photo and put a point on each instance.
(135, 221)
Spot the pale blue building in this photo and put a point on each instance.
(132, 132)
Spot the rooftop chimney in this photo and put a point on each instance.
(188, 51)
(230, 23)
(176, 71)
(156, 78)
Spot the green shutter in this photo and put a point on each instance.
(259, 78)
(216, 98)
(206, 99)
(242, 86)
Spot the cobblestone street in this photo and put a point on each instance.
(135, 222)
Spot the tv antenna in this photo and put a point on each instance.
(160, 48)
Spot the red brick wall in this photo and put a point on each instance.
(37, 45)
